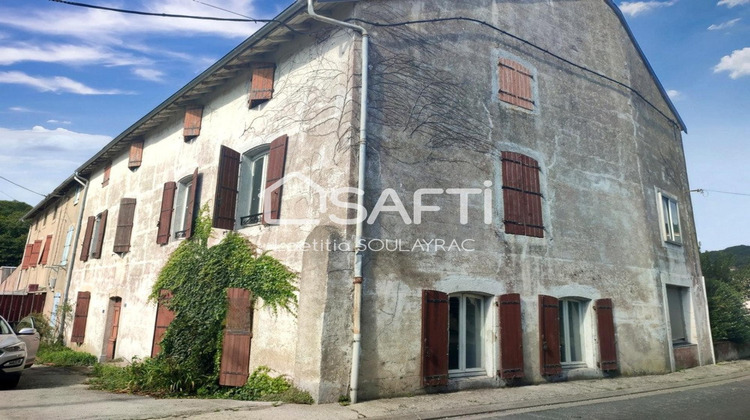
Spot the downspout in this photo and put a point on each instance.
(72, 253)
(357, 299)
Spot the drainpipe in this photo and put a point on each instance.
(357, 304)
(72, 252)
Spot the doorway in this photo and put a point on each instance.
(113, 325)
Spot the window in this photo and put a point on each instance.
(180, 219)
(522, 197)
(95, 233)
(515, 83)
(124, 225)
(465, 334)
(670, 220)
(676, 297)
(192, 123)
(66, 248)
(261, 85)
(105, 177)
(252, 185)
(571, 327)
(135, 157)
(77, 196)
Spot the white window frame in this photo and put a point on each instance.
(683, 296)
(245, 201)
(77, 196)
(66, 248)
(565, 332)
(462, 371)
(667, 218)
(181, 199)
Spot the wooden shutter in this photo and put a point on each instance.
(79, 322)
(107, 170)
(261, 89)
(136, 154)
(225, 201)
(35, 252)
(522, 195)
(515, 84)
(606, 332)
(511, 336)
(46, 250)
(165, 215)
(434, 338)
(124, 225)
(114, 330)
(99, 240)
(193, 121)
(164, 317)
(26, 256)
(86, 245)
(191, 205)
(274, 173)
(235, 351)
(549, 335)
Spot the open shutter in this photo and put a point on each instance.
(99, 240)
(522, 195)
(46, 250)
(136, 154)
(164, 317)
(274, 173)
(434, 338)
(105, 178)
(549, 335)
(86, 245)
(26, 256)
(511, 336)
(191, 205)
(124, 225)
(165, 215)
(225, 202)
(235, 351)
(261, 89)
(79, 322)
(515, 84)
(35, 252)
(193, 120)
(606, 332)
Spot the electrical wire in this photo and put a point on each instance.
(19, 185)
(702, 190)
(4, 193)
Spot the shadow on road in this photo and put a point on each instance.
(40, 377)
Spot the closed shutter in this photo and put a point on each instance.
(191, 205)
(26, 256)
(136, 154)
(86, 245)
(99, 240)
(107, 170)
(606, 332)
(164, 317)
(235, 351)
(274, 173)
(79, 322)
(515, 84)
(511, 336)
(261, 89)
(225, 202)
(193, 121)
(124, 225)
(165, 215)
(46, 250)
(522, 195)
(434, 338)
(35, 253)
(549, 335)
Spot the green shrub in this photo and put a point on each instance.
(59, 355)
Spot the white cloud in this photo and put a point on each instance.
(674, 94)
(732, 3)
(66, 53)
(737, 64)
(53, 84)
(724, 25)
(635, 8)
(59, 122)
(149, 74)
(20, 109)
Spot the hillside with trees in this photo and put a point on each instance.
(727, 274)
(12, 231)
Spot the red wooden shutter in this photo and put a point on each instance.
(549, 335)
(86, 245)
(107, 170)
(606, 332)
(193, 120)
(35, 252)
(191, 205)
(26, 256)
(79, 322)
(124, 225)
(164, 317)
(515, 84)
(225, 202)
(99, 240)
(274, 173)
(522, 195)
(261, 89)
(46, 250)
(511, 336)
(235, 352)
(434, 338)
(165, 215)
(136, 154)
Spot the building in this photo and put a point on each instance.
(530, 216)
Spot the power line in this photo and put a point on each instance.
(4, 193)
(703, 190)
(19, 185)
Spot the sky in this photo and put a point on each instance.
(71, 79)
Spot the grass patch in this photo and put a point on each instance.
(59, 355)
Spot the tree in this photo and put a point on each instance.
(12, 231)
(727, 291)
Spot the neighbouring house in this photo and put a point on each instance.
(534, 216)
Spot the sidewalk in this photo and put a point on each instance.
(497, 399)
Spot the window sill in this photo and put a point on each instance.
(469, 373)
(574, 365)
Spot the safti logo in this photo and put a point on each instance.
(389, 202)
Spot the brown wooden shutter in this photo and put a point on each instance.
(107, 170)
(26, 256)
(124, 225)
(86, 245)
(515, 84)
(522, 195)
(46, 250)
(235, 352)
(79, 322)
(274, 173)
(511, 336)
(164, 317)
(549, 335)
(261, 89)
(191, 205)
(35, 252)
(193, 121)
(434, 338)
(606, 332)
(136, 154)
(225, 201)
(165, 215)
(99, 240)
